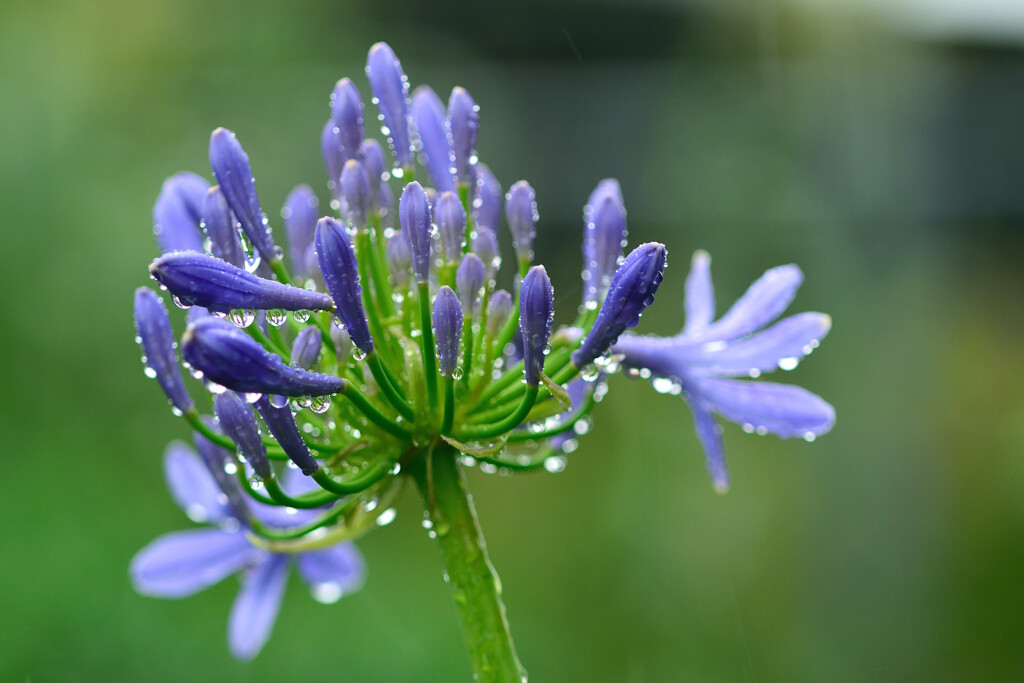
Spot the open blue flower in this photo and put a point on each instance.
(700, 362)
(182, 563)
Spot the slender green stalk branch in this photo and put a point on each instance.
(487, 431)
(391, 392)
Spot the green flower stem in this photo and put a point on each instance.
(305, 503)
(474, 583)
(467, 349)
(497, 386)
(380, 284)
(427, 339)
(508, 392)
(467, 206)
(384, 381)
(375, 416)
(356, 484)
(449, 405)
(560, 426)
(487, 431)
(256, 333)
(278, 268)
(370, 308)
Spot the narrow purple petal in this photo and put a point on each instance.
(391, 90)
(255, 609)
(782, 409)
(177, 213)
(183, 563)
(710, 434)
(780, 346)
(192, 486)
(763, 302)
(334, 572)
(700, 294)
(435, 145)
(663, 356)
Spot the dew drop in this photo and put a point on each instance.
(488, 468)
(179, 303)
(358, 354)
(788, 363)
(320, 404)
(242, 317)
(301, 315)
(555, 464)
(252, 397)
(326, 593)
(754, 373)
(457, 374)
(386, 517)
(278, 401)
(662, 385)
(809, 436)
(149, 372)
(276, 317)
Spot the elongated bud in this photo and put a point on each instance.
(219, 225)
(373, 162)
(281, 424)
(498, 311)
(299, 214)
(178, 211)
(447, 329)
(414, 215)
(341, 277)
(238, 422)
(469, 280)
(347, 114)
(604, 237)
(631, 291)
(230, 166)
(342, 342)
(487, 198)
(157, 339)
(306, 347)
(485, 245)
(334, 154)
(399, 260)
(230, 357)
(216, 460)
(536, 314)
(451, 224)
(521, 213)
(435, 147)
(386, 205)
(462, 123)
(355, 193)
(203, 280)
(391, 90)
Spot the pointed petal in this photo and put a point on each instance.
(334, 572)
(763, 302)
(781, 409)
(663, 356)
(255, 609)
(192, 486)
(780, 346)
(700, 294)
(179, 564)
(710, 434)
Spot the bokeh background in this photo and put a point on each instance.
(878, 145)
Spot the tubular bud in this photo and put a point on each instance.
(347, 114)
(498, 311)
(469, 280)
(306, 347)
(462, 123)
(536, 314)
(231, 167)
(604, 237)
(178, 211)
(487, 198)
(521, 213)
(447, 321)
(355, 193)
(157, 339)
(435, 146)
(219, 224)
(414, 216)
(341, 277)
(451, 224)
(281, 424)
(300, 214)
(391, 89)
(238, 422)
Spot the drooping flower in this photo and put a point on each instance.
(701, 361)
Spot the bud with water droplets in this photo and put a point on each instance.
(178, 211)
(300, 214)
(347, 114)
(451, 224)
(230, 357)
(399, 260)
(373, 161)
(498, 311)
(355, 193)
(341, 277)
(333, 152)
(387, 80)
(230, 166)
(521, 213)
(414, 215)
(203, 280)
(435, 147)
(238, 422)
(469, 281)
(462, 123)
(157, 339)
(604, 237)
(487, 198)
(306, 347)
(536, 314)
(485, 245)
(342, 342)
(281, 424)
(216, 460)
(447, 321)
(631, 291)
(219, 224)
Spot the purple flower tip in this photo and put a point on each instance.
(236, 419)
(203, 280)
(178, 211)
(341, 277)
(230, 166)
(522, 216)
(306, 347)
(485, 245)
(157, 339)
(373, 161)
(334, 154)
(487, 198)
(536, 314)
(462, 123)
(219, 224)
(447, 320)
(435, 145)
(498, 311)
(355, 192)
(347, 114)
(399, 260)
(603, 240)
(451, 224)
(299, 214)
(414, 216)
(469, 280)
(230, 357)
(281, 424)
(630, 292)
(391, 90)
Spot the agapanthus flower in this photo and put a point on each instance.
(701, 361)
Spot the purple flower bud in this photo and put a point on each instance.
(603, 239)
(435, 147)
(230, 357)
(306, 347)
(536, 314)
(521, 213)
(391, 92)
(177, 213)
(631, 291)
(373, 162)
(414, 215)
(451, 224)
(334, 154)
(157, 339)
(347, 114)
(447, 329)
(487, 199)
(355, 192)
(231, 167)
(498, 311)
(485, 245)
(342, 341)
(341, 277)
(605, 187)
(219, 224)
(385, 204)
(299, 214)
(216, 459)
(462, 123)
(281, 424)
(469, 280)
(399, 260)
(238, 422)
(203, 280)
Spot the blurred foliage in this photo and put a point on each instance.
(889, 169)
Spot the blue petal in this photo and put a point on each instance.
(255, 609)
(192, 486)
(763, 302)
(780, 346)
(334, 572)
(182, 563)
(700, 294)
(710, 434)
(781, 409)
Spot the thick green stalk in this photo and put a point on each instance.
(474, 583)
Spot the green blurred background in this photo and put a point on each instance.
(882, 150)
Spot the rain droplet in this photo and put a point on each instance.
(276, 317)
(788, 363)
(457, 374)
(386, 517)
(326, 593)
(320, 404)
(555, 464)
(242, 317)
(301, 315)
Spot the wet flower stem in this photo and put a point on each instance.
(474, 583)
